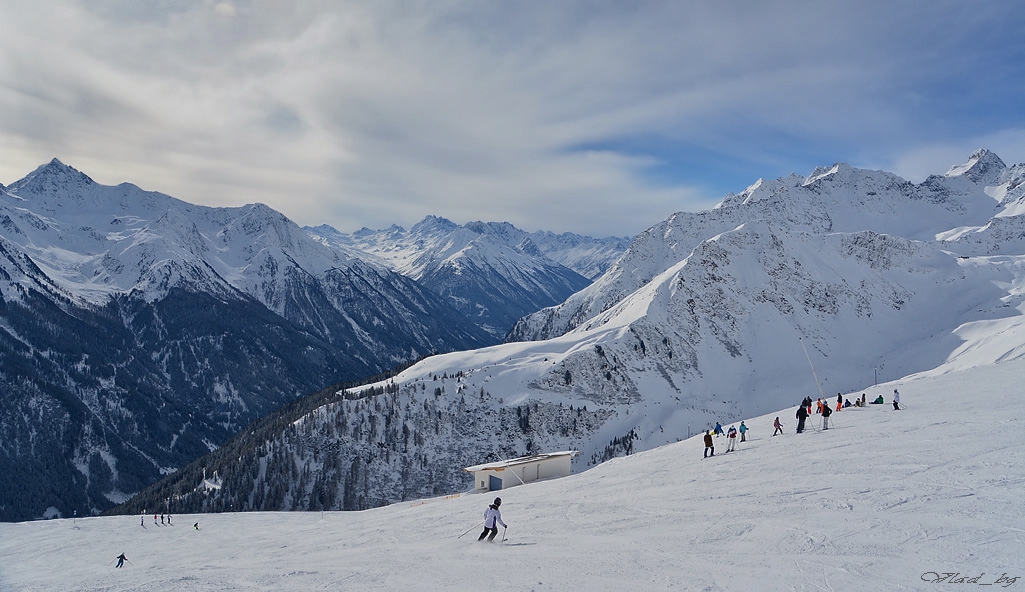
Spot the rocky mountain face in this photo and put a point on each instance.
(803, 286)
(492, 272)
(138, 332)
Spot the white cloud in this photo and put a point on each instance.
(225, 9)
(374, 113)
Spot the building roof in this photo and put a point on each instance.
(523, 460)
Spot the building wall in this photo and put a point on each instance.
(559, 466)
(550, 468)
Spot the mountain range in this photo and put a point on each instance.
(139, 332)
(492, 272)
(803, 286)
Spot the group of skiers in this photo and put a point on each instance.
(142, 520)
(731, 437)
(164, 519)
(804, 411)
(823, 408)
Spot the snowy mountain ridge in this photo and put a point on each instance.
(588, 256)
(492, 272)
(834, 199)
(98, 240)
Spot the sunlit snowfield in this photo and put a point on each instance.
(884, 500)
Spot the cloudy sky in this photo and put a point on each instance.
(594, 117)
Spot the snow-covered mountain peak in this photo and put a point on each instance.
(259, 221)
(838, 169)
(52, 178)
(846, 182)
(761, 190)
(503, 231)
(433, 225)
(529, 247)
(983, 167)
(394, 230)
(733, 199)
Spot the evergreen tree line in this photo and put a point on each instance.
(332, 451)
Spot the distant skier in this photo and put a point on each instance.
(779, 427)
(142, 521)
(169, 520)
(743, 432)
(155, 520)
(732, 435)
(896, 400)
(120, 560)
(839, 401)
(492, 518)
(709, 444)
(718, 430)
(826, 412)
(802, 414)
(196, 526)
(161, 519)
(818, 405)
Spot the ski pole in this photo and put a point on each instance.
(471, 528)
(504, 529)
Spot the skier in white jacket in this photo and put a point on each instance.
(492, 516)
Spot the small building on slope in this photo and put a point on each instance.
(520, 471)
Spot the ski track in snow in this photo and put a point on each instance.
(875, 502)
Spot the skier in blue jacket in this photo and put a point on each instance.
(492, 516)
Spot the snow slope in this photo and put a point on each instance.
(884, 500)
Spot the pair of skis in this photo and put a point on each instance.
(504, 529)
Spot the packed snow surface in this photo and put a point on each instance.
(915, 499)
